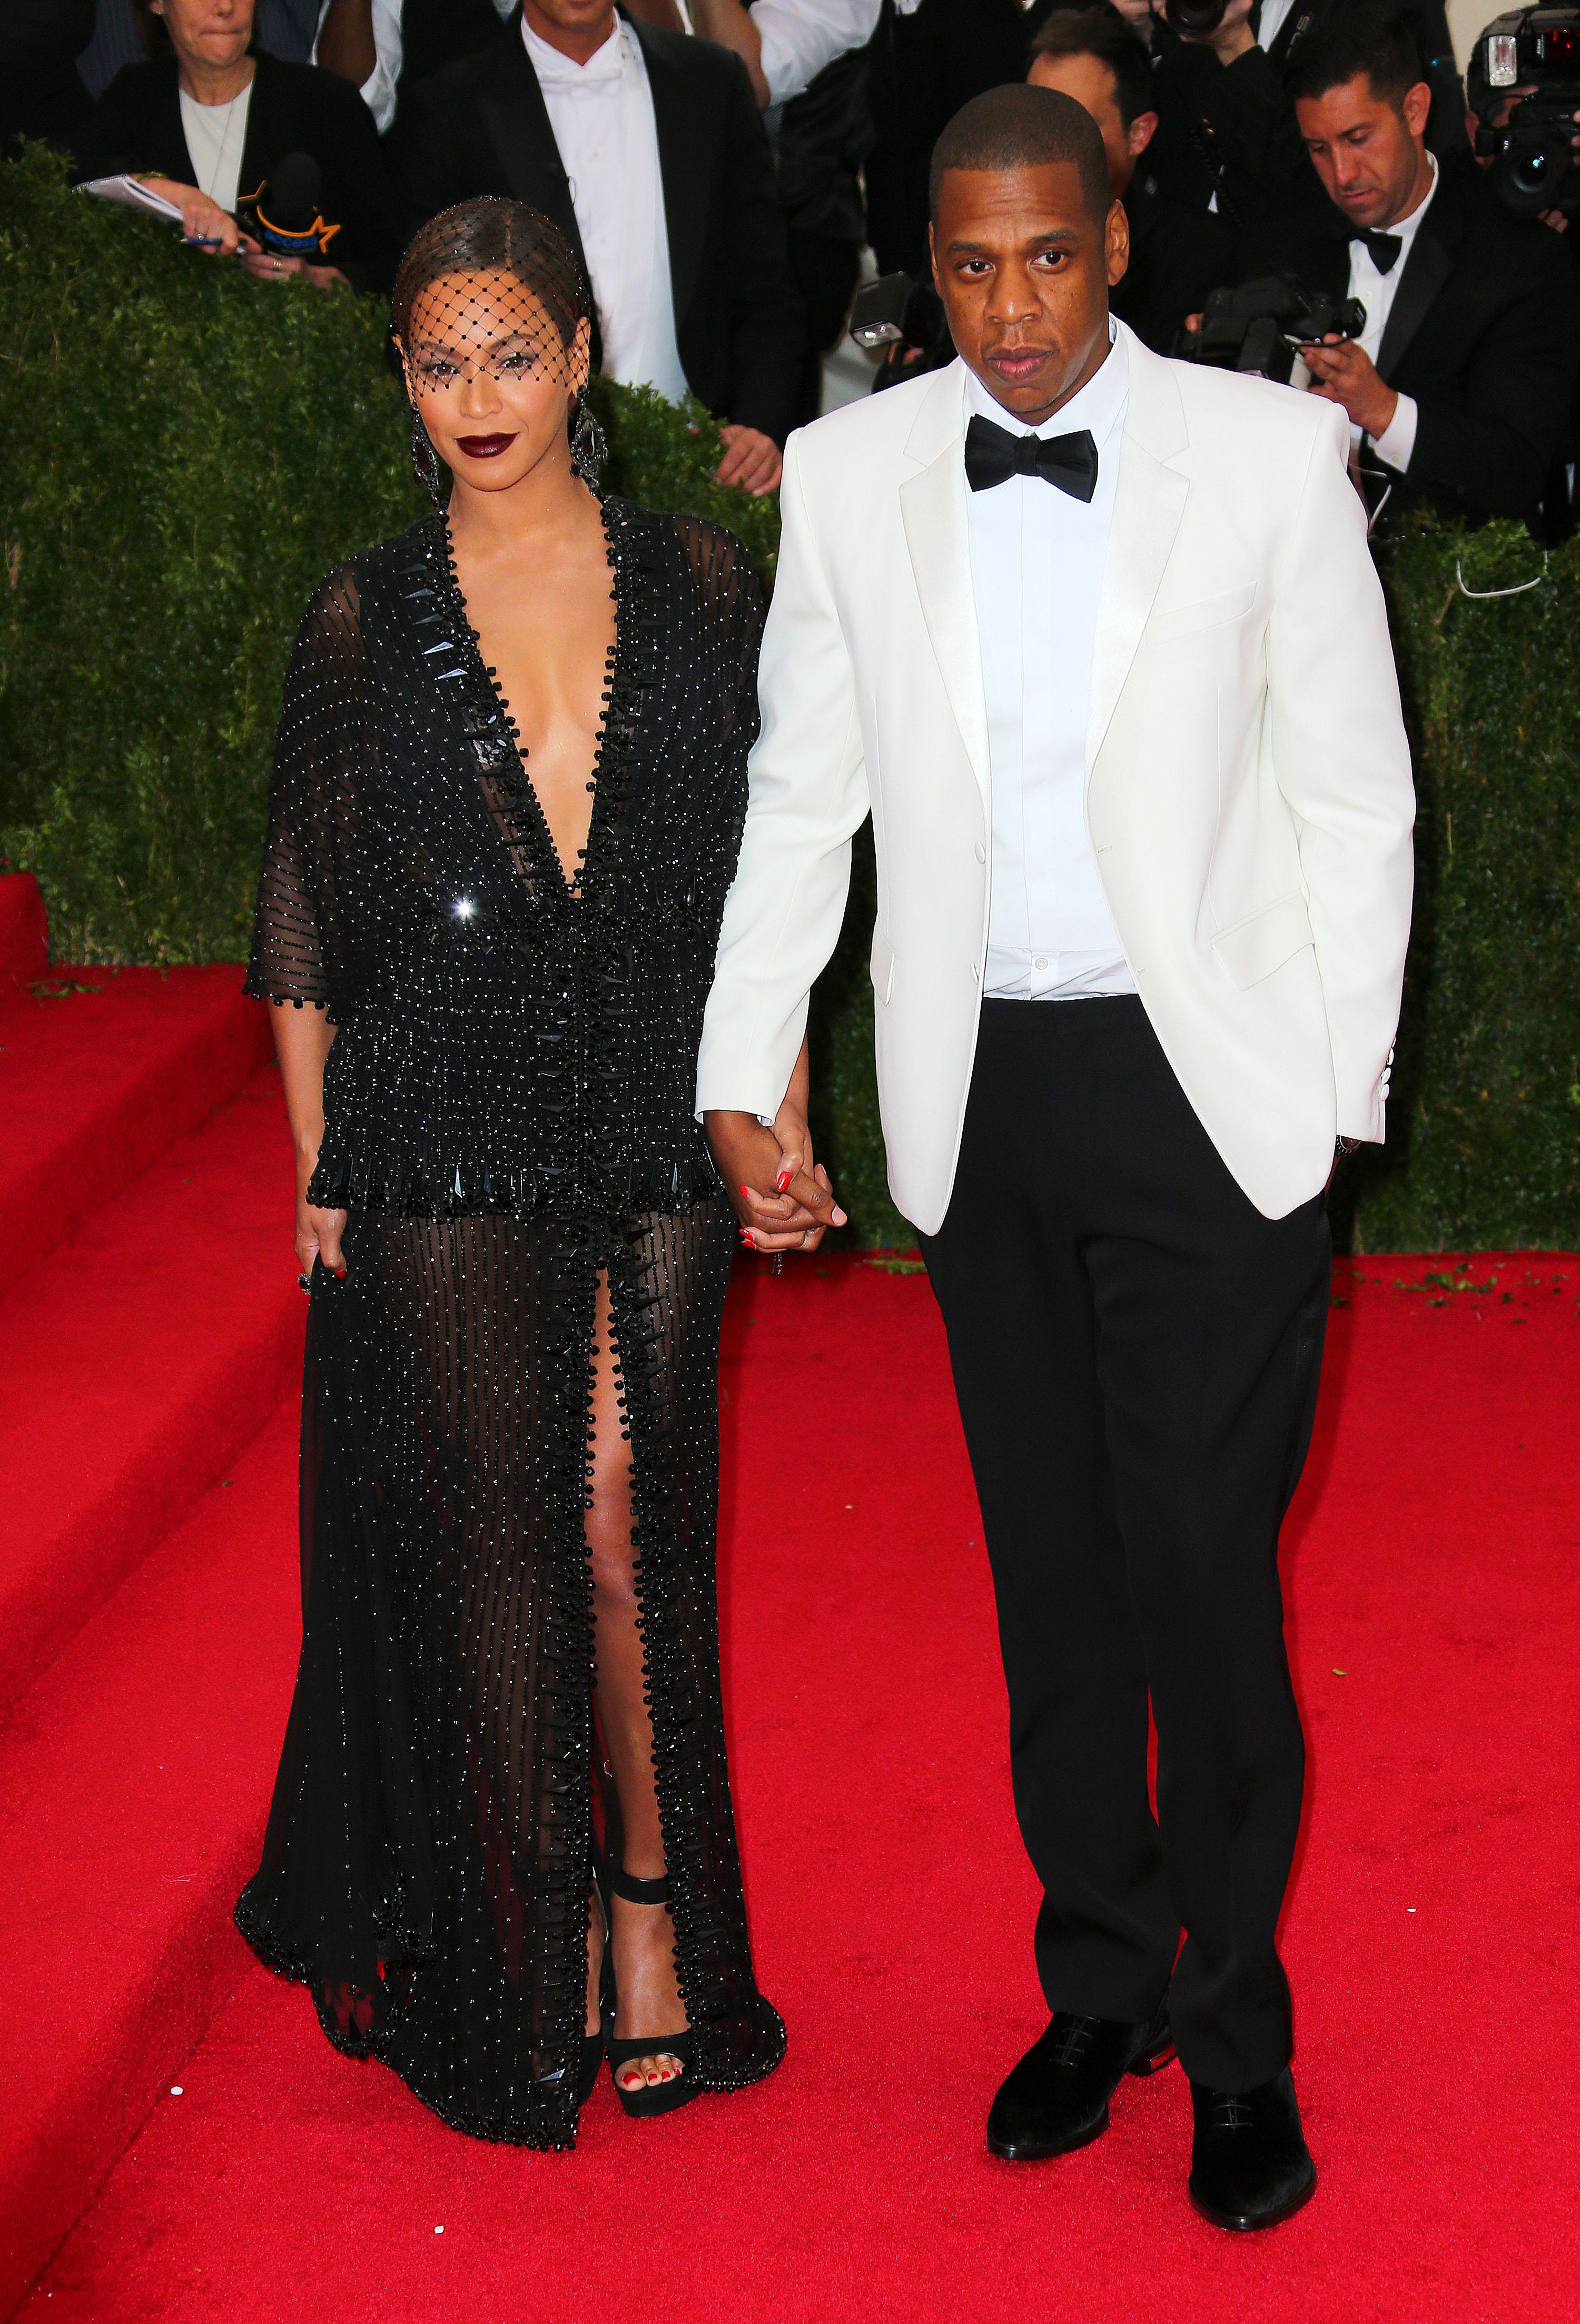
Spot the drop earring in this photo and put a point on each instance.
(425, 465)
(589, 447)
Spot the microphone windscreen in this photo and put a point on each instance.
(294, 187)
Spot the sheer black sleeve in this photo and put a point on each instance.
(733, 596)
(324, 754)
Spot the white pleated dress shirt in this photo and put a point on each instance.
(1377, 292)
(1038, 557)
(602, 116)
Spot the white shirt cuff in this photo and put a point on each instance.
(1395, 447)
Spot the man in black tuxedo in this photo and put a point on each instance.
(1460, 386)
(1178, 256)
(1228, 128)
(483, 126)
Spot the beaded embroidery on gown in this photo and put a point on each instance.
(508, 1111)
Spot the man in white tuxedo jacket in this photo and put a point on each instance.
(1097, 640)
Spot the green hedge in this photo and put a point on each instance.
(186, 452)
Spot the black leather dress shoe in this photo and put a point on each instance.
(1249, 2166)
(1057, 2098)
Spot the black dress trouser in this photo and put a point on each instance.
(1136, 1351)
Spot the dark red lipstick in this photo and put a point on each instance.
(484, 447)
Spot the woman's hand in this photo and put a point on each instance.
(277, 266)
(202, 219)
(317, 1232)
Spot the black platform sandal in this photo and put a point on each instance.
(593, 2045)
(648, 2098)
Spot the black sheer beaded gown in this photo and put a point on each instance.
(508, 1112)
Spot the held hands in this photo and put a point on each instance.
(751, 459)
(1343, 373)
(782, 1194)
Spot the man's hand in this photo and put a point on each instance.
(1343, 373)
(751, 459)
(1234, 37)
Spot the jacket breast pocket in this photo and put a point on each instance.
(883, 967)
(1187, 621)
(1254, 947)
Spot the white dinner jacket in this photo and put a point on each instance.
(1248, 781)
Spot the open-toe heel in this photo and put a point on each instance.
(648, 2098)
(593, 2045)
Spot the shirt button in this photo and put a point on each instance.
(981, 853)
(1039, 962)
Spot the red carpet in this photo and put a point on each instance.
(1432, 1931)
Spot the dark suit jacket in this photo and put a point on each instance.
(1177, 258)
(41, 94)
(1484, 332)
(926, 66)
(482, 127)
(136, 126)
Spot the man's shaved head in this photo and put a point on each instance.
(1018, 127)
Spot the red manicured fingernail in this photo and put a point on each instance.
(338, 1272)
(746, 1194)
(782, 1181)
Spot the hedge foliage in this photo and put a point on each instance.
(187, 451)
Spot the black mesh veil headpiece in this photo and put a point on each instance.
(493, 283)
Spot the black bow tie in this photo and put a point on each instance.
(1385, 247)
(992, 455)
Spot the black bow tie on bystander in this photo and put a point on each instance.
(992, 455)
(1385, 247)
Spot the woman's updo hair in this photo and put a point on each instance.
(490, 234)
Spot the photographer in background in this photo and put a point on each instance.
(1229, 137)
(1177, 256)
(1461, 383)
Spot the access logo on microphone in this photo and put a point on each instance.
(285, 211)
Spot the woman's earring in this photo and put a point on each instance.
(425, 465)
(588, 449)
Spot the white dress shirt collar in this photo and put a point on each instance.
(555, 68)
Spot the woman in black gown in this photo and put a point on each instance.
(489, 938)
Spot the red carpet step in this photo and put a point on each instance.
(1433, 1578)
(134, 1363)
(134, 1784)
(99, 1070)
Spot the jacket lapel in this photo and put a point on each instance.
(1426, 270)
(685, 180)
(516, 122)
(1149, 503)
(932, 507)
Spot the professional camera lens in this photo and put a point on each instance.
(1195, 18)
(1531, 170)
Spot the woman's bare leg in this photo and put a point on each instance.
(643, 1934)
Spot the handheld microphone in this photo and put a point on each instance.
(286, 209)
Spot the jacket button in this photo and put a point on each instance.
(981, 853)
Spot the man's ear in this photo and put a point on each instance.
(1116, 242)
(932, 252)
(1142, 132)
(1417, 105)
